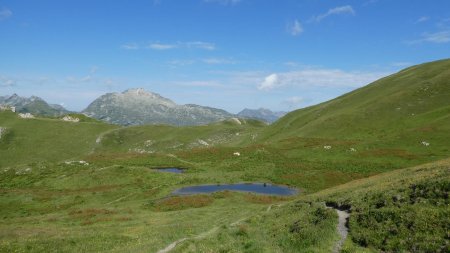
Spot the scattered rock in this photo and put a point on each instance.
(327, 147)
(76, 162)
(26, 115)
(148, 143)
(202, 142)
(70, 119)
(352, 150)
(140, 151)
(23, 171)
(426, 144)
(2, 131)
(236, 120)
(237, 154)
(7, 108)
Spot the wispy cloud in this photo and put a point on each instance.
(160, 46)
(199, 45)
(188, 45)
(318, 78)
(347, 9)
(5, 13)
(130, 46)
(295, 28)
(177, 62)
(422, 19)
(217, 61)
(167, 46)
(7, 82)
(223, 2)
(437, 38)
(209, 61)
(89, 78)
(293, 102)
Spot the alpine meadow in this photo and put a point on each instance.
(352, 156)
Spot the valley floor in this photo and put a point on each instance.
(103, 207)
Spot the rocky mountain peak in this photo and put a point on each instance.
(138, 106)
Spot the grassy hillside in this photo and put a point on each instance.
(412, 103)
(401, 211)
(399, 121)
(41, 139)
(165, 138)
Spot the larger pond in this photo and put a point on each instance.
(258, 188)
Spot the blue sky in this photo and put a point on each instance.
(230, 54)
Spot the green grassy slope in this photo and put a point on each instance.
(412, 102)
(400, 211)
(41, 139)
(399, 121)
(164, 138)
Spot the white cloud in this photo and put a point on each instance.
(5, 13)
(223, 2)
(181, 62)
(422, 19)
(217, 61)
(271, 81)
(295, 28)
(130, 46)
(89, 78)
(199, 45)
(319, 78)
(159, 46)
(347, 9)
(209, 61)
(189, 45)
(437, 37)
(7, 82)
(293, 102)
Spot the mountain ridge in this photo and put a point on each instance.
(138, 107)
(34, 105)
(261, 114)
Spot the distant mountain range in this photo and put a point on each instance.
(34, 105)
(261, 114)
(139, 107)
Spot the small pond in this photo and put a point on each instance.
(171, 170)
(258, 188)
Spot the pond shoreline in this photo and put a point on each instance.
(257, 188)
